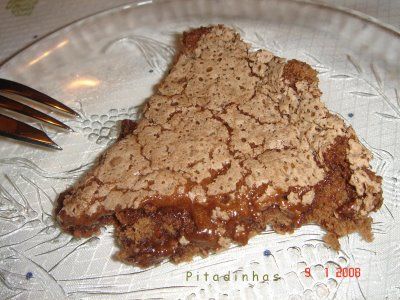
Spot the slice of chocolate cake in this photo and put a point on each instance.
(232, 141)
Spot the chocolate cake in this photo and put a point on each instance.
(232, 141)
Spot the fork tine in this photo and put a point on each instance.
(20, 131)
(23, 109)
(25, 91)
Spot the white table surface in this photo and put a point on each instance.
(24, 21)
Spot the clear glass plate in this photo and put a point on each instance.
(106, 65)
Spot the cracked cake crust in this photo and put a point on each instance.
(232, 141)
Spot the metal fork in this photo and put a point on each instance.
(18, 130)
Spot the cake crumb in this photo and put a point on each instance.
(217, 213)
(224, 242)
(183, 241)
(240, 228)
(308, 198)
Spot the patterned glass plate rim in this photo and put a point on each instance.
(106, 65)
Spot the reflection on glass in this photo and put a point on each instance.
(83, 82)
(48, 52)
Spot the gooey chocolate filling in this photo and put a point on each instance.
(177, 228)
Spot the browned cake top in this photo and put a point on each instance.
(225, 121)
